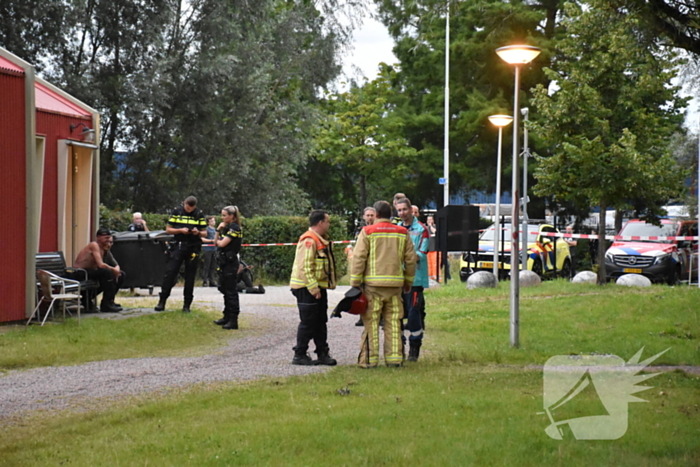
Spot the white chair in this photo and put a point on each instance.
(47, 282)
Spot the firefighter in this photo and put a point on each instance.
(312, 274)
(385, 263)
(188, 226)
(228, 244)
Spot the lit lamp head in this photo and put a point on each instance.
(518, 54)
(501, 120)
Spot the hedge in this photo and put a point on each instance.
(271, 262)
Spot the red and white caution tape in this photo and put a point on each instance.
(626, 238)
(289, 244)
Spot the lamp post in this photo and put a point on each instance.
(526, 218)
(446, 155)
(500, 121)
(517, 55)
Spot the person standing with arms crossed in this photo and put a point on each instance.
(414, 302)
(228, 244)
(312, 274)
(384, 263)
(188, 226)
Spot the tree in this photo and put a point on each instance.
(361, 138)
(608, 123)
(480, 83)
(211, 97)
(678, 21)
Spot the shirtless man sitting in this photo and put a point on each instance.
(101, 266)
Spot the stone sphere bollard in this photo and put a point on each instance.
(585, 277)
(633, 280)
(482, 280)
(529, 279)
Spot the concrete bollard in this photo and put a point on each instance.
(482, 280)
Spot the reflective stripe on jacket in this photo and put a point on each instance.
(384, 256)
(314, 264)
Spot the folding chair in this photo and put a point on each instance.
(47, 282)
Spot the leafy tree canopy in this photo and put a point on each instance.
(608, 123)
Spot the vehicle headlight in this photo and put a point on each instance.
(661, 258)
(609, 257)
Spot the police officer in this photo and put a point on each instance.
(228, 245)
(188, 226)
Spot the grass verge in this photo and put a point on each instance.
(430, 413)
(471, 400)
(95, 339)
(561, 318)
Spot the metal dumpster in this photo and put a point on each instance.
(141, 255)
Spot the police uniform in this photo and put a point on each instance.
(227, 261)
(184, 248)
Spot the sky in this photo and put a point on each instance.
(371, 46)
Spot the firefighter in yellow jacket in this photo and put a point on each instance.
(312, 274)
(384, 261)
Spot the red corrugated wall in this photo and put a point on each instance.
(55, 127)
(13, 195)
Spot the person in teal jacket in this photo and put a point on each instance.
(413, 301)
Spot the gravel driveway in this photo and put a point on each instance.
(264, 354)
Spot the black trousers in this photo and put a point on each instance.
(109, 285)
(209, 267)
(179, 255)
(313, 316)
(228, 286)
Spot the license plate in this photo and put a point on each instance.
(632, 270)
(486, 264)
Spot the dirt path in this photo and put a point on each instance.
(264, 352)
(260, 354)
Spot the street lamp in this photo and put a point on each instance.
(500, 121)
(517, 55)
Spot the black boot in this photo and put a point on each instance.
(221, 321)
(232, 324)
(186, 306)
(303, 359)
(414, 351)
(325, 359)
(161, 303)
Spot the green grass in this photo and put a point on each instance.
(94, 339)
(426, 414)
(560, 318)
(471, 400)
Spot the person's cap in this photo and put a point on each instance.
(101, 232)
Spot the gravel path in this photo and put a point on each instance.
(263, 354)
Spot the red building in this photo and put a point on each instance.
(49, 182)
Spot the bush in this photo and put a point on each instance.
(273, 263)
(119, 220)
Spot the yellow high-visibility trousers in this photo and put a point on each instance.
(382, 302)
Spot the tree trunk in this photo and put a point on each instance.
(601, 245)
(618, 220)
(363, 193)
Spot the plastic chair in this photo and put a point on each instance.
(47, 282)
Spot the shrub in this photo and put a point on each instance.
(271, 262)
(275, 262)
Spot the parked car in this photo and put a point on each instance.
(544, 253)
(659, 260)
